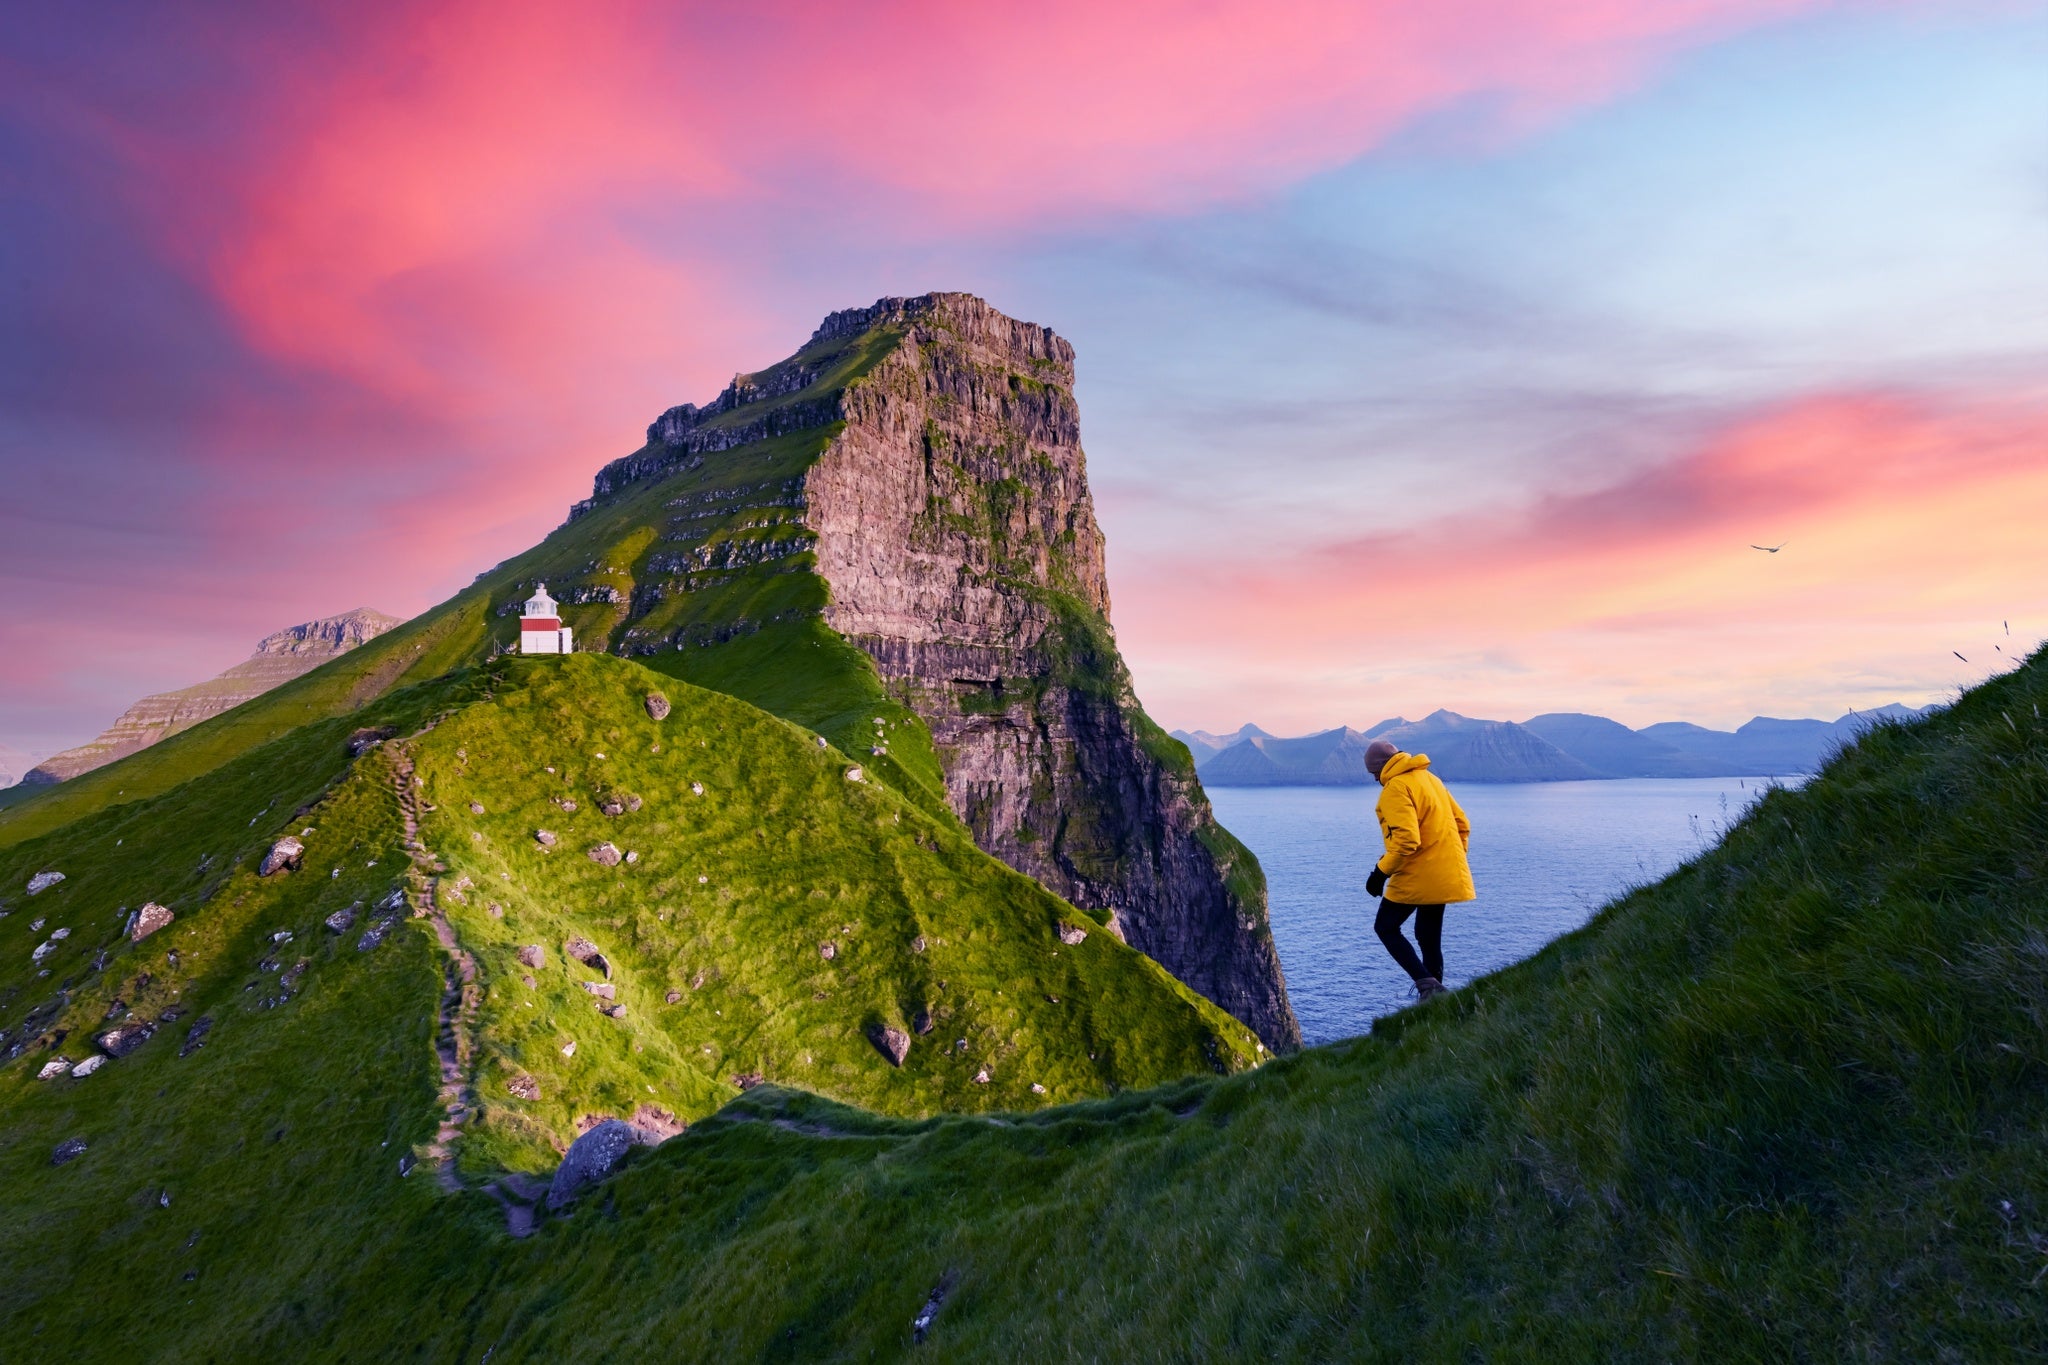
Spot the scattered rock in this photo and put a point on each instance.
(568, 806)
(747, 1080)
(981, 1076)
(405, 1165)
(892, 1043)
(603, 990)
(855, 775)
(591, 1158)
(545, 838)
(523, 1087)
(922, 1323)
(119, 1042)
(54, 1068)
(289, 982)
(631, 856)
(923, 1023)
(657, 706)
(607, 854)
(1070, 935)
(195, 1037)
(45, 950)
(612, 1011)
(876, 751)
(281, 936)
(497, 911)
(476, 808)
(89, 1065)
(375, 934)
(532, 955)
(530, 983)
(150, 918)
(286, 855)
(568, 1049)
(362, 741)
(341, 920)
(917, 945)
(821, 741)
(584, 951)
(632, 802)
(696, 789)
(68, 1149)
(612, 805)
(673, 996)
(828, 950)
(652, 1125)
(43, 881)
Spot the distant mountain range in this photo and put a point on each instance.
(278, 659)
(1559, 747)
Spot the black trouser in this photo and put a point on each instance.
(1429, 932)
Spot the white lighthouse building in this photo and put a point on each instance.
(541, 630)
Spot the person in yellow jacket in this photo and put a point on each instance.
(1424, 868)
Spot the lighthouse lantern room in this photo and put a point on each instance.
(541, 630)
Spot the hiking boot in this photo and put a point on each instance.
(1429, 988)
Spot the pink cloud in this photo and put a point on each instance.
(1909, 519)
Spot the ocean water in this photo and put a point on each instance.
(1545, 856)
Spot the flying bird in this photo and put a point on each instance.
(1958, 654)
(1771, 549)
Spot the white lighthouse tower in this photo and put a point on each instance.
(541, 630)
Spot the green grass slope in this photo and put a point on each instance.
(1789, 1103)
(317, 1072)
(752, 857)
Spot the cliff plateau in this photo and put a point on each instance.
(948, 513)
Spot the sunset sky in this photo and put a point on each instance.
(1430, 356)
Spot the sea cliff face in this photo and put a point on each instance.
(956, 530)
(949, 515)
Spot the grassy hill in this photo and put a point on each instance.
(1789, 1103)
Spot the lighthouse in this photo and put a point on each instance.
(541, 630)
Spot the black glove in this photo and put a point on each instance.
(1376, 884)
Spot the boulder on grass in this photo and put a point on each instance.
(892, 1043)
(584, 951)
(657, 706)
(119, 1042)
(286, 855)
(43, 881)
(607, 854)
(150, 918)
(591, 1158)
(533, 955)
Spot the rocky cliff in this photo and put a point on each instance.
(278, 659)
(947, 510)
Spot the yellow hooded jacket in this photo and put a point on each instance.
(1426, 834)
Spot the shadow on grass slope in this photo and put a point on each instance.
(1789, 1103)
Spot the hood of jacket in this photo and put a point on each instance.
(1402, 763)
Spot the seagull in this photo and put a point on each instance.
(1958, 654)
(1771, 549)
